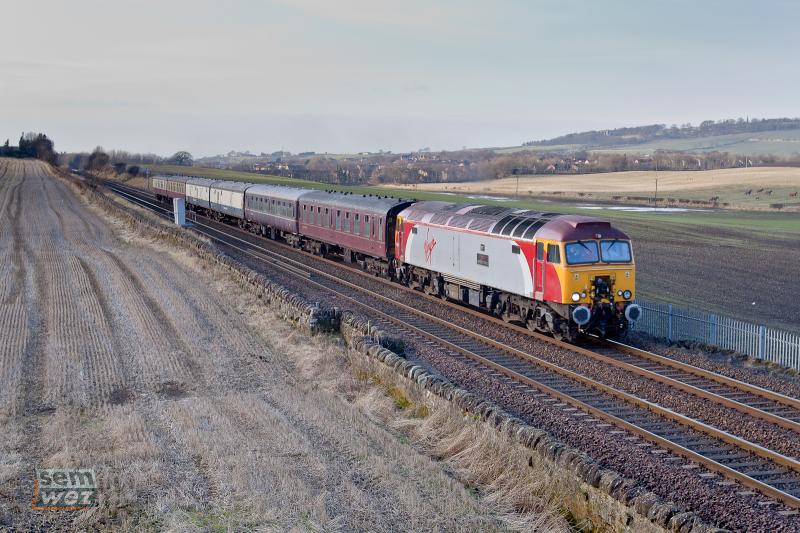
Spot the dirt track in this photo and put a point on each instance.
(119, 356)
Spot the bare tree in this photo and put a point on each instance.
(97, 160)
(182, 158)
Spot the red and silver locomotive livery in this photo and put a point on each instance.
(557, 273)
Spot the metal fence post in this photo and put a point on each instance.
(713, 337)
(669, 323)
(762, 341)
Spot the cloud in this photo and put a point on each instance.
(420, 17)
(416, 87)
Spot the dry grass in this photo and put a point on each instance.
(197, 407)
(629, 182)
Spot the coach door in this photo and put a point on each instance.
(538, 274)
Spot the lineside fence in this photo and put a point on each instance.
(677, 324)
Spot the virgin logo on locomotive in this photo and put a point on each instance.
(430, 244)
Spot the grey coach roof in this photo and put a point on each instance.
(233, 186)
(202, 182)
(277, 191)
(359, 202)
(180, 179)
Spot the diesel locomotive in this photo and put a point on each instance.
(554, 273)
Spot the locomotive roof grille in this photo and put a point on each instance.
(460, 221)
(510, 222)
(519, 231)
(441, 218)
(510, 225)
(531, 231)
(489, 210)
(481, 224)
(503, 221)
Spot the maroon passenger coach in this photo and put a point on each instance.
(272, 210)
(360, 227)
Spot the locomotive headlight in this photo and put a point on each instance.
(626, 295)
(575, 296)
(619, 293)
(583, 295)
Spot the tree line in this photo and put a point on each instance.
(120, 161)
(478, 165)
(31, 145)
(654, 132)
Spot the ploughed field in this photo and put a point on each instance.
(123, 357)
(749, 274)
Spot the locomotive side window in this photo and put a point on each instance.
(540, 251)
(380, 229)
(366, 225)
(338, 220)
(357, 229)
(514, 249)
(553, 254)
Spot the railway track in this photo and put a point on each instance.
(755, 467)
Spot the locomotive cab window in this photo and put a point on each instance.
(581, 252)
(615, 251)
(553, 254)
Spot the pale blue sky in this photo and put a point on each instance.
(353, 75)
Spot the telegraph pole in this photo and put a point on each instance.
(655, 198)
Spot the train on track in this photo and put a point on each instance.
(554, 273)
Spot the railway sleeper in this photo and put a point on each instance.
(763, 474)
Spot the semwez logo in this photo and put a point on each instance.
(64, 489)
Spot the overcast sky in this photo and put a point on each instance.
(353, 75)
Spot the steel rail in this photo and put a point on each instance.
(707, 374)
(756, 449)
